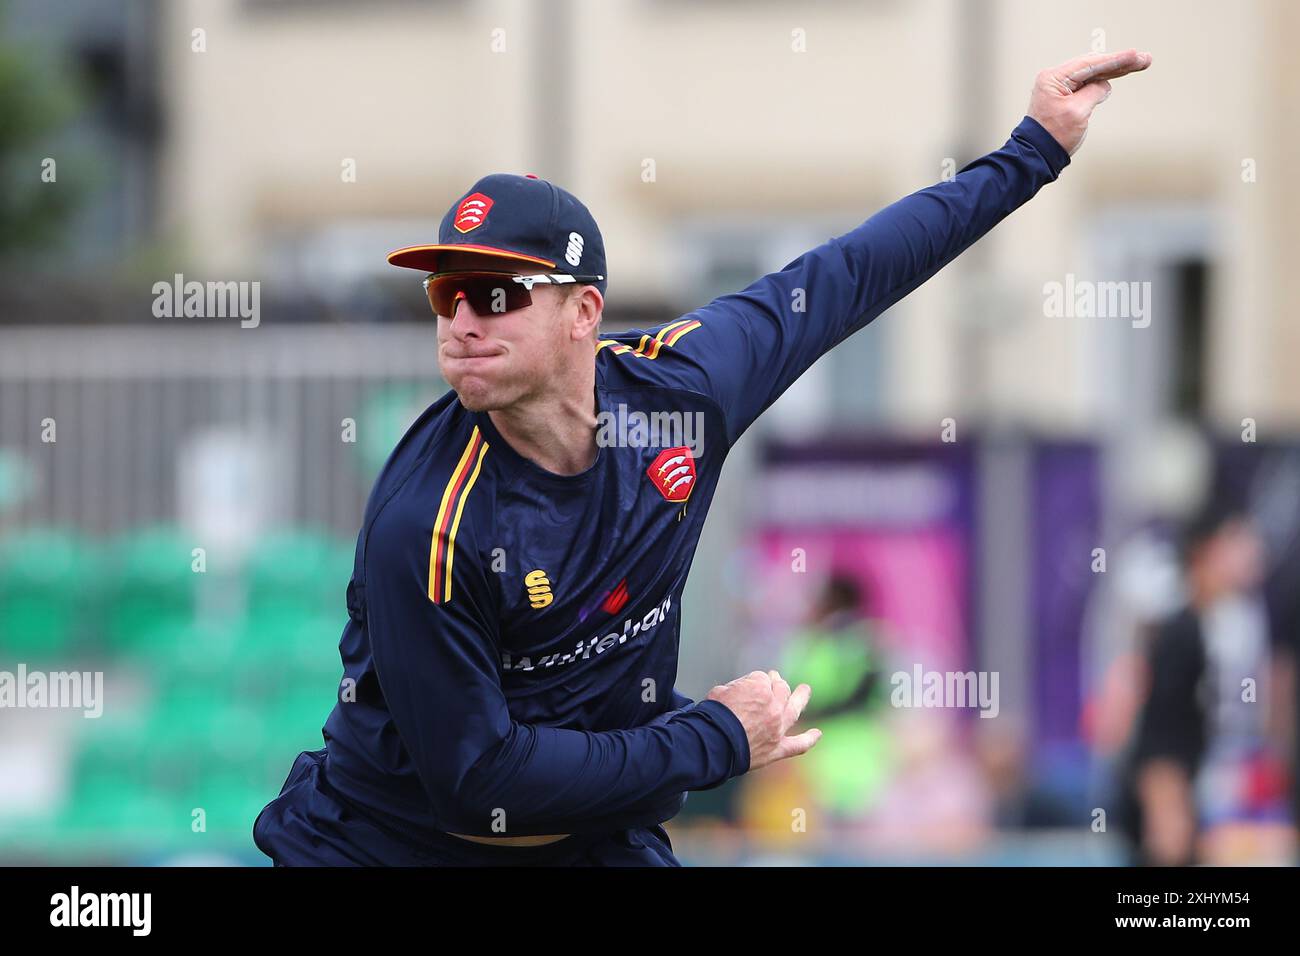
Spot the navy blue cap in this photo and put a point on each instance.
(521, 220)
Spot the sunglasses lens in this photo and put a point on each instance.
(486, 294)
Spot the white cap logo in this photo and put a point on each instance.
(573, 254)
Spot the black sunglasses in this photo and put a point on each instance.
(489, 293)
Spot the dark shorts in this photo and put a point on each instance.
(309, 825)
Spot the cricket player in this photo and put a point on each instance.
(514, 609)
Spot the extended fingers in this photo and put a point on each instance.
(797, 702)
(798, 744)
(1102, 66)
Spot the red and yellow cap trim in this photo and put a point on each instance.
(425, 258)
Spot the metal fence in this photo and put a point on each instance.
(102, 428)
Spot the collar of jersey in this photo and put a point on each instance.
(516, 463)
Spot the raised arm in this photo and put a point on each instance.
(748, 347)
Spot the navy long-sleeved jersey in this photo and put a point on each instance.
(512, 638)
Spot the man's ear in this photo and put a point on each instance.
(590, 305)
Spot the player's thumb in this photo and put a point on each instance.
(1093, 94)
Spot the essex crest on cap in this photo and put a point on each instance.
(472, 211)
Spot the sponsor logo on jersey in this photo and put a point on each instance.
(471, 212)
(611, 602)
(615, 599)
(673, 473)
(539, 589)
(585, 650)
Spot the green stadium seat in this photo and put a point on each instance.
(46, 578)
(297, 717)
(279, 649)
(300, 572)
(151, 586)
(194, 653)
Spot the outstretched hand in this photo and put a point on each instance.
(1065, 96)
(767, 708)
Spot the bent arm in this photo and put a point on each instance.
(486, 773)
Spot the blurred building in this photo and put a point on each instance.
(769, 130)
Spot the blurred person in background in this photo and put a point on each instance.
(1200, 762)
(887, 780)
(838, 652)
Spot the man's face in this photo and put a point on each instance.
(495, 360)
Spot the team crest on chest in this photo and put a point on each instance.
(673, 473)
